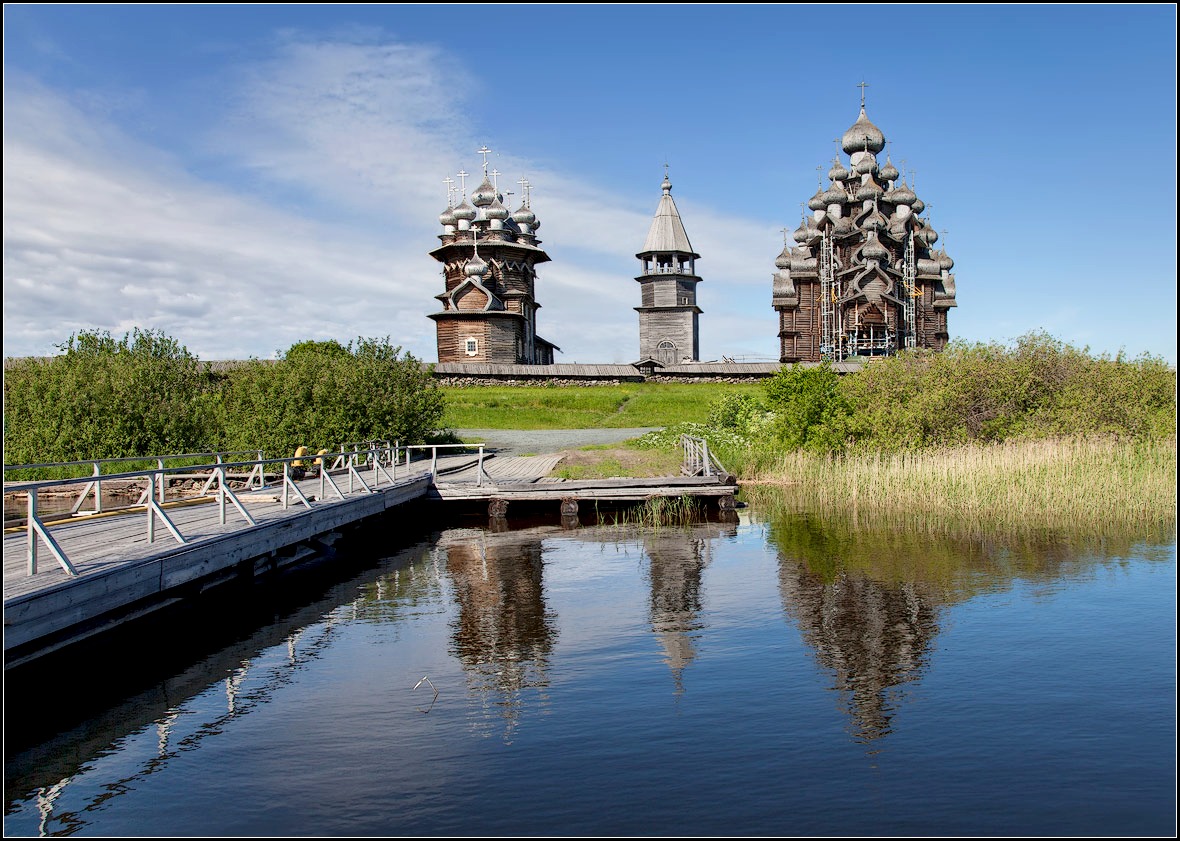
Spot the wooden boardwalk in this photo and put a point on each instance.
(122, 575)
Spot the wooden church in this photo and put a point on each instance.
(863, 279)
(490, 258)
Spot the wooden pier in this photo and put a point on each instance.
(122, 570)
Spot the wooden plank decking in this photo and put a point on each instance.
(121, 574)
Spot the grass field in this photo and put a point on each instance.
(584, 407)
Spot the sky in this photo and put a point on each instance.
(245, 177)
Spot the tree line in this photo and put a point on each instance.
(146, 394)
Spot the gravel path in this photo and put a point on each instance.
(537, 441)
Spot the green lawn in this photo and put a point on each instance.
(584, 407)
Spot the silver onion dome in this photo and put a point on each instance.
(902, 195)
(869, 190)
(524, 216)
(862, 135)
(447, 217)
(475, 267)
(838, 172)
(835, 195)
(484, 195)
(889, 171)
(944, 260)
(873, 249)
(867, 164)
(496, 210)
(801, 233)
(464, 211)
(918, 206)
(817, 202)
(926, 235)
(784, 259)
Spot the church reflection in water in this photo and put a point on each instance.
(505, 633)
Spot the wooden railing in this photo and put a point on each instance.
(382, 458)
(698, 461)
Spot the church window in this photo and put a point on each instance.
(472, 347)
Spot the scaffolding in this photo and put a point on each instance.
(911, 292)
(831, 320)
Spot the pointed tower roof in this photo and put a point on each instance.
(667, 231)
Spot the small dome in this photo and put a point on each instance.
(873, 249)
(926, 235)
(447, 217)
(801, 233)
(918, 206)
(875, 221)
(869, 190)
(484, 195)
(496, 210)
(867, 164)
(902, 195)
(838, 172)
(862, 135)
(944, 260)
(464, 211)
(523, 216)
(475, 267)
(817, 202)
(889, 171)
(784, 259)
(835, 195)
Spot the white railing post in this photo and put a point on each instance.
(32, 529)
(160, 464)
(705, 457)
(97, 489)
(433, 461)
(479, 471)
(285, 483)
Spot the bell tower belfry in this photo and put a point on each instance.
(669, 318)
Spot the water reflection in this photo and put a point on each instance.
(677, 561)
(503, 634)
(867, 591)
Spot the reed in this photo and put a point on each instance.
(1063, 483)
(660, 511)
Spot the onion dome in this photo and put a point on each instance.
(875, 221)
(484, 195)
(902, 195)
(496, 211)
(784, 259)
(464, 211)
(867, 164)
(838, 172)
(801, 261)
(926, 235)
(536, 223)
(475, 267)
(817, 202)
(873, 249)
(944, 260)
(524, 216)
(801, 233)
(447, 217)
(869, 190)
(889, 171)
(834, 195)
(918, 206)
(861, 136)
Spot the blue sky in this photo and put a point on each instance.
(246, 177)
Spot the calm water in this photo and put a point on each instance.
(801, 676)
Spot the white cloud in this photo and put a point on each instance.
(320, 224)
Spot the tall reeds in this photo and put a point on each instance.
(1063, 483)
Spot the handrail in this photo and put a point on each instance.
(37, 531)
(379, 458)
(698, 460)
